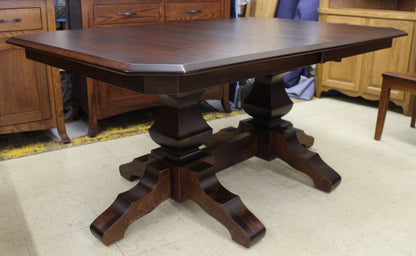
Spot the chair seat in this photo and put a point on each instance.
(397, 81)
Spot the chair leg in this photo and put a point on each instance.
(382, 109)
(412, 123)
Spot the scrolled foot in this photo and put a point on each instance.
(290, 150)
(152, 190)
(224, 206)
(304, 139)
(135, 169)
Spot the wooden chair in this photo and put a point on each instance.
(399, 81)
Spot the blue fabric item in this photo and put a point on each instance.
(292, 78)
(307, 10)
(304, 90)
(286, 9)
(234, 8)
(232, 93)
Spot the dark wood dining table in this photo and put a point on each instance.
(178, 61)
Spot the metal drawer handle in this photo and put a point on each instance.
(127, 13)
(12, 20)
(193, 11)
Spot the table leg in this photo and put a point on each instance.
(179, 169)
(152, 190)
(277, 138)
(135, 169)
(224, 206)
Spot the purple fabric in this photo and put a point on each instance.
(234, 9)
(286, 9)
(304, 90)
(307, 10)
(292, 78)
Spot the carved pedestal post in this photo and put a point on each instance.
(179, 169)
(267, 103)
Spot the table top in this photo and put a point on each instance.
(180, 53)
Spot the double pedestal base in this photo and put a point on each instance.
(180, 170)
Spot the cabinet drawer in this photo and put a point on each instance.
(20, 19)
(192, 11)
(126, 13)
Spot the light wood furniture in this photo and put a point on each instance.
(101, 100)
(399, 81)
(181, 168)
(30, 92)
(361, 75)
(261, 8)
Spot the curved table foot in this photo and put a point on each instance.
(304, 139)
(290, 150)
(152, 190)
(224, 206)
(135, 169)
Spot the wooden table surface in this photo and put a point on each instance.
(179, 60)
(198, 49)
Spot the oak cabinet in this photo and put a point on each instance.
(100, 100)
(361, 75)
(30, 92)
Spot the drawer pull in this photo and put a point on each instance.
(12, 20)
(127, 13)
(193, 11)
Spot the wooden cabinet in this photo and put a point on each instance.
(30, 92)
(101, 100)
(361, 75)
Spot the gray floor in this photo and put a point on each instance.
(48, 200)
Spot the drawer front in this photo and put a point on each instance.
(192, 11)
(20, 19)
(126, 13)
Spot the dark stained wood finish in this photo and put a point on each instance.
(394, 81)
(101, 100)
(183, 60)
(226, 207)
(152, 190)
(221, 50)
(277, 137)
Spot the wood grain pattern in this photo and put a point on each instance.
(224, 206)
(399, 81)
(261, 8)
(209, 51)
(192, 11)
(126, 13)
(20, 19)
(101, 100)
(396, 5)
(222, 50)
(152, 190)
(32, 101)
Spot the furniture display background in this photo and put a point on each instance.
(182, 168)
(30, 92)
(100, 100)
(361, 75)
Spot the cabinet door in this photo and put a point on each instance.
(395, 58)
(24, 90)
(344, 75)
